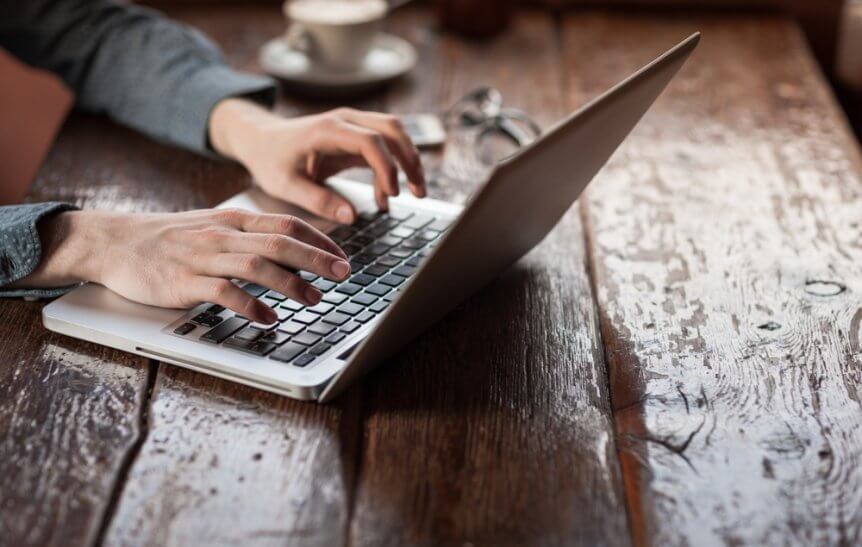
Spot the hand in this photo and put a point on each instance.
(179, 260)
(289, 158)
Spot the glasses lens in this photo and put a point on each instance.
(475, 107)
(502, 136)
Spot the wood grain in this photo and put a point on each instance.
(494, 428)
(726, 247)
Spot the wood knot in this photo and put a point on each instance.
(819, 287)
(769, 325)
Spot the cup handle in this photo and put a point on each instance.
(297, 39)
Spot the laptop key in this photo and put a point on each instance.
(207, 319)
(364, 299)
(417, 221)
(324, 285)
(215, 309)
(355, 266)
(364, 258)
(283, 314)
(276, 337)
(379, 306)
(305, 317)
(404, 271)
(321, 329)
(288, 352)
(375, 270)
(336, 318)
(350, 327)
(303, 360)
(414, 243)
(378, 289)
(428, 235)
(364, 317)
(308, 276)
(342, 233)
(335, 338)
(414, 261)
(247, 346)
(306, 339)
(349, 289)
(225, 329)
(392, 280)
(254, 289)
(350, 308)
(362, 279)
(320, 349)
(292, 305)
(185, 328)
(401, 252)
(249, 334)
(351, 249)
(377, 249)
(291, 327)
(362, 240)
(402, 232)
(391, 296)
(335, 298)
(389, 261)
(321, 308)
(271, 302)
(389, 240)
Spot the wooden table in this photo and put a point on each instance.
(678, 363)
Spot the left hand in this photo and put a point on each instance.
(290, 158)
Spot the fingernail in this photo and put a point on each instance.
(340, 269)
(344, 215)
(313, 295)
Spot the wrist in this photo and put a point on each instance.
(74, 244)
(234, 125)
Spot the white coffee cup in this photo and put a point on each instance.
(335, 33)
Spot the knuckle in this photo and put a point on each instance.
(394, 123)
(230, 216)
(250, 264)
(293, 286)
(342, 111)
(220, 289)
(273, 244)
(287, 225)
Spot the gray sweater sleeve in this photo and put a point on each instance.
(20, 246)
(141, 69)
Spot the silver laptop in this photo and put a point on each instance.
(410, 265)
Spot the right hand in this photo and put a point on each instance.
(179, 260)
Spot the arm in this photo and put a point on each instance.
(143, 70)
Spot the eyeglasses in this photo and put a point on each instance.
(498, 131)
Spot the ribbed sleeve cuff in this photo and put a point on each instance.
(21, 248)
(196, 98)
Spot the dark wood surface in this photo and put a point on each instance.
(700, 267)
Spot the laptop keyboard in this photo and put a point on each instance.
(384, 249)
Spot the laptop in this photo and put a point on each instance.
(411, 265)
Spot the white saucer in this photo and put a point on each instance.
(389, 58)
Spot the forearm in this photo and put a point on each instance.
(143, 70)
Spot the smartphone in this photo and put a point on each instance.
(425, 130)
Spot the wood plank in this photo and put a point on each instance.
(727, 263)
(70, 411)
(225, 464)
(494, 427)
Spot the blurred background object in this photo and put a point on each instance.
(33, 111)
(848, 64)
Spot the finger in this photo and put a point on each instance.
(320, 200)
(291, 227)
(223, 292)
(354, 139)
(398, 141)
(381, 199)
(288, 252)
(255, 268)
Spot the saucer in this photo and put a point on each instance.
(390, 57)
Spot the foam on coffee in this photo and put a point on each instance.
(336, 12)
